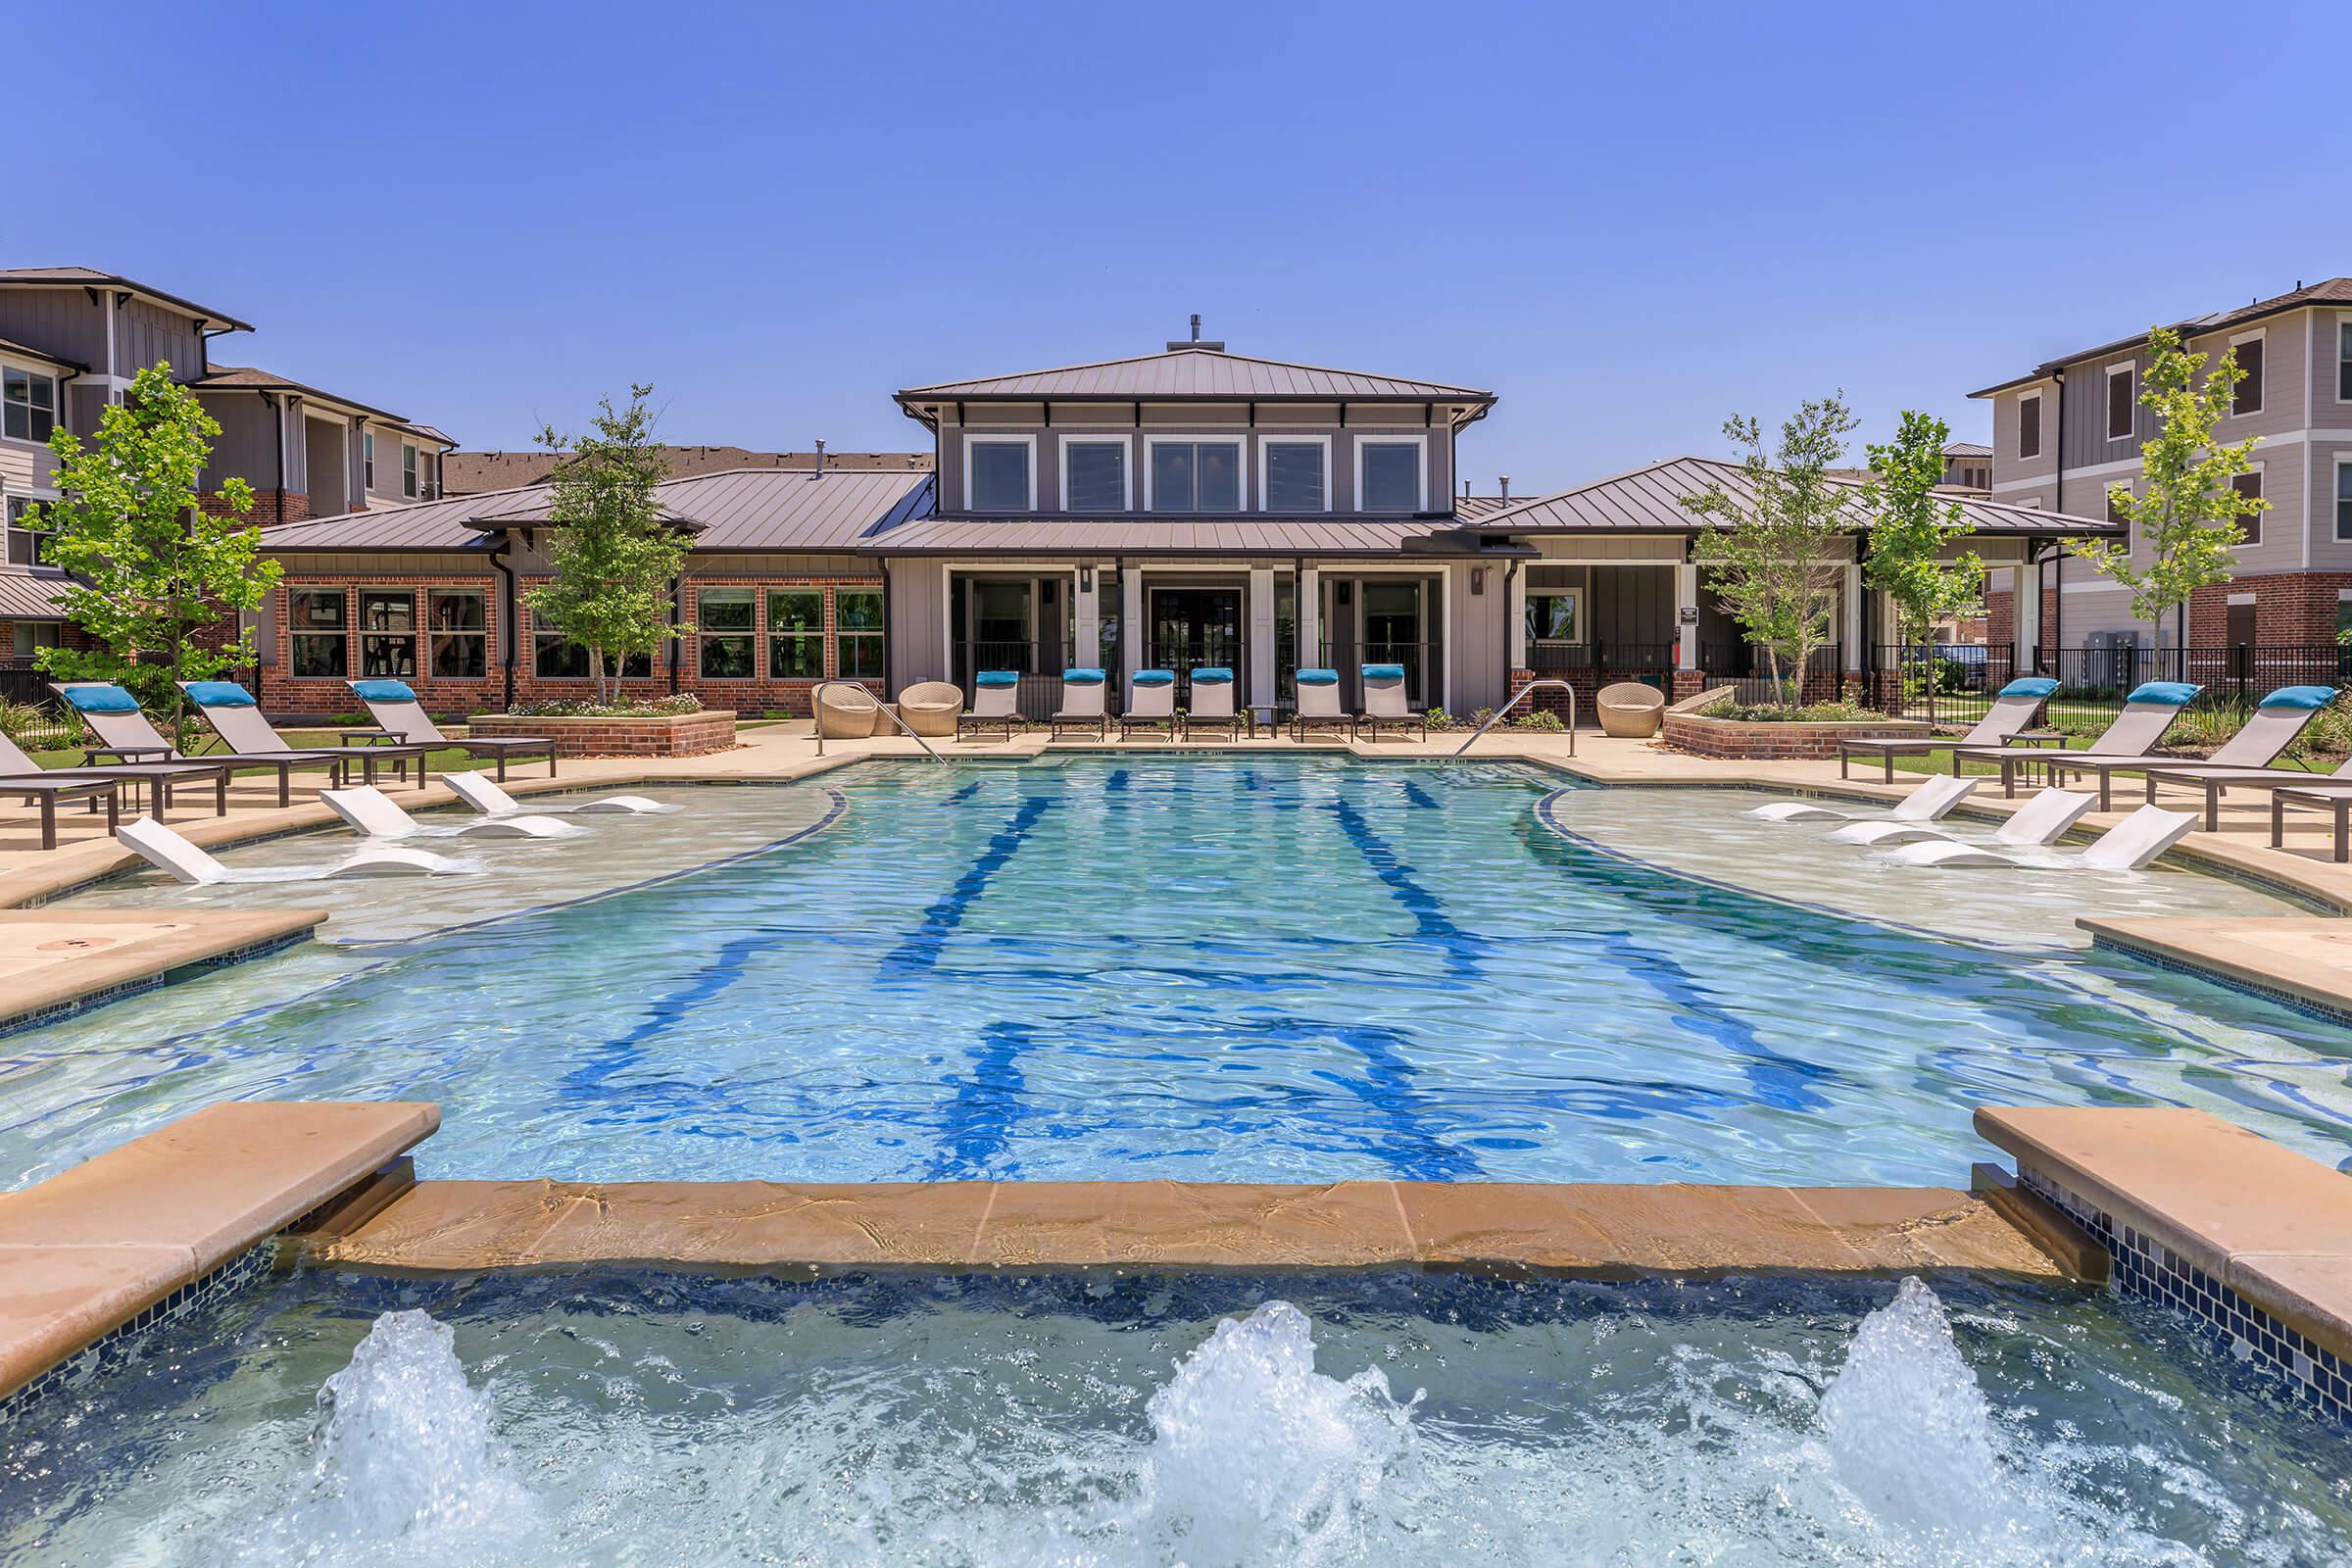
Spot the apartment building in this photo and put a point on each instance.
(2069, 430)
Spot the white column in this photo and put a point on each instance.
(2025, 620)
(1086, 616)
(1854, 621)
(1131, 618)
(1515, 607)
(1263, 652)
(1686, 616)
(1310, 617)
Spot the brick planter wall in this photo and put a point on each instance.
(1727, 738)
(665, 735)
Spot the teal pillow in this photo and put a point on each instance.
(1384, 673)
(383, 691)
(1318, 677)
(1211, 674)
(218, 694)
(2030, 686)
(101, 698)
(2313, 697)
(1082, 675)
(997, 677)
(1155, 677)
(2172, 693)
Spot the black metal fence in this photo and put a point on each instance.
(1184, 657)
(1423, 662)
(1954, 684)
(1635, 660)
(1747, 668)
(1039, 664)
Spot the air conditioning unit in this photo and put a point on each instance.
(2112, 659)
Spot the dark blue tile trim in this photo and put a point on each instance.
(131, 988)
(2309, 1006)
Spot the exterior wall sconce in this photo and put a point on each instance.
(1086, 579)
(1478, 580)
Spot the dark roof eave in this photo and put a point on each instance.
(203, 312)
(297, 389)
(2049, 369)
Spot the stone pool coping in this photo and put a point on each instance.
(54, 963)
(2305, 963)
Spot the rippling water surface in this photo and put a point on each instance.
(1241, 969)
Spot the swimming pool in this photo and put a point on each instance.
(1085, 1419)
(1223, 968)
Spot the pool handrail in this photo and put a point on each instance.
(816, 695)
(1495, 718)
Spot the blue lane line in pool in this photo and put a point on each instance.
(1430, 920)
(1780, 1081)
(977, 1124)
(1419, 797)
(964, 794)
(1116, 783)
(1413, 1147)
(624, 1051)
(919, 953)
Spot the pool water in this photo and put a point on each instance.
(1226, 968)
(1361, 1419)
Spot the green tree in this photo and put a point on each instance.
(1911, 529)
(1773, 556)
(617, 554)
(157, 578)
(2186, 519)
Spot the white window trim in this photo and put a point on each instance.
(411, 471)
(56, 400)
(1574, 595)
(1238, 439)
(1028, 443)
(1267, 438)
(2344, 319)
(2041, 435)
(2107, 407)
(2260, 383)
(2261, 490)
(1126, 448)
(2335, 499)
(1420, 446)
(368, 459)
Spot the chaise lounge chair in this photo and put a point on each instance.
(166, 851)
(1150, 702)
(2125, 847)
(1317, 698)
(1211, 706)
(234, 715)
(1081, 709)
(394, 707)
(1928, 801)
(2244, 759)
(159, 777)
(2148, 711)
(1385, 704)
(45, 787)
(123, 731)
(996, 703)
(2043, 819)
(479, 792)
(372, 813)
(2335, 798)
(2011, 715)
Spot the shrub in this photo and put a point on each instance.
(1540, 719)
(647, 708)
(1439, 720)
(36, 729)
(1773, 714)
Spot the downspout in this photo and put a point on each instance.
(890, 643)
(2058, 557)
(509, 632)
(677, 611)
(278, 406)
(1511, 575)
(1120, 564)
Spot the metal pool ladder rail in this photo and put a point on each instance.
(816, 695)
(1495, 718)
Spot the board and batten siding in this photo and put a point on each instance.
(62, 322)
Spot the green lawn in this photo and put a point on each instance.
(1940, 761)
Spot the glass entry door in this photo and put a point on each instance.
(1195, 626)
(1383, 620)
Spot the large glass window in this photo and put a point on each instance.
(318, 644)
(2344, 362)
(2123, 402)
(857, 633)
(368, 459)
(1295, 477)
(408, 470)
(28, 405)
(555, 657)
(1551, 617)
(723, 619)
(796, 634)
(31, 636)
(25, 547)
(459, 628)
(1195, 477)
(387, 632)
(2246, 396)
(2343, 499)
(2028, 427)
(2249, 485)
(1391, 476)
(1096, 475)
(1000, 472)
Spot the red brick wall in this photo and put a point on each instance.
(1710, 737)
(2290, 609)
(268, 505)
(673, 735)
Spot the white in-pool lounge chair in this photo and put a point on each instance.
(2043, 819)
(481, 792)
(1928, 799)
(996, 703)
(1211, 706)
(373, 815)
(231, 710)
(394, 707)
(1150, 702)
(166, 851)
(1385, 705)
(1082, 691)
(2125, 847)
(124, 732)
(2244, 760)
(2148, 711)
(1315, 696)
(2012, 712)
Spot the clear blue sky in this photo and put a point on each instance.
(1629, 221)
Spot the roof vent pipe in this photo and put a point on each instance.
(818, 472)
(1506, 483)
(1196, 341)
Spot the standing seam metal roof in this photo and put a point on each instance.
(1190, 373)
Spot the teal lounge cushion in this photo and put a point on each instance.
(1384, 673)
(2030, 686)
(2313, 697)
(997, 677)
(2172, 693)
(101, 699)
(1213, 674)
(383, 691)
(1083, 675)
(218, 694)
(1318, 677)
(1155, 677)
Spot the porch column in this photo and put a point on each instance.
(1263, 652)
(1686, 616)
(1855, 621)
(1310, 617)
(1131, 617)
(1086, 615)
(1515, 607)
(2025, 617)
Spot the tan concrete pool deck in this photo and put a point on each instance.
(50, 960)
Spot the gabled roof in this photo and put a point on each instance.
(1968, 449)
(2327, 291)
(91, 277)
(32, 595)
(761, 509)
(252, 378)
(1472, 507)
(1253, 534)
(1186, 372)
(1650, 500)
(470, 472)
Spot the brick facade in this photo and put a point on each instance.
(670, 735)
(1721, 738)
(268, 505)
